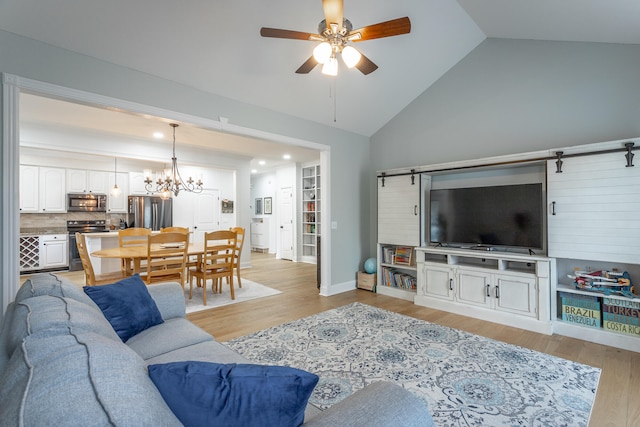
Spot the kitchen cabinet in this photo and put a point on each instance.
(42, 189)
(29, 192)
(118, 203)
(86, 181)
(137, 184)
(52, 190)
(54, 251)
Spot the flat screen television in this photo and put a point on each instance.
(494, 216)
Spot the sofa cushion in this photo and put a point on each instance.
(79, 379)
(201, 393)
(207, 351)
(50, 284)
(53, 315)
(172, 334)
(127, 305)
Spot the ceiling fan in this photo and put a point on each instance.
(334, 34)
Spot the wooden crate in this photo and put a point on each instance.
(366, 281)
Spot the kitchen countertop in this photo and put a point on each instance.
(113, 233)
(39, 231)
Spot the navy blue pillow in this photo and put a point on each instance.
(127, 305)
(203, 393)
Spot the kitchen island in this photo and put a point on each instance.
(98, 241)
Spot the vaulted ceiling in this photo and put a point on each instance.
(215, 46)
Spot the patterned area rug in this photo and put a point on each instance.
(465, 379)
(249, 290)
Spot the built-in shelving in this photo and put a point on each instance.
(311, 205)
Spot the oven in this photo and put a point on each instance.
(81, 226)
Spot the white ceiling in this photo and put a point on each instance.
(215, 46)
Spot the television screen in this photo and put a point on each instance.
(505, 215)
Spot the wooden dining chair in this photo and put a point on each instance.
(166, 258)
(135, 236)
(191, 261)
(175, 230)
(90, 278)
(238, 251)
(215, 264)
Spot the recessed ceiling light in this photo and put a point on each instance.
(254, 170)
(262, 163)
(158, 135)
(286, 156)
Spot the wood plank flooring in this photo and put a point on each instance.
(618, 396)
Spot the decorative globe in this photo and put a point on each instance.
(370, 265)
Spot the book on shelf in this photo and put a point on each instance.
(394, 278)
(404, 255)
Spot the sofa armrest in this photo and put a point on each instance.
(380, 404)
(169, 298)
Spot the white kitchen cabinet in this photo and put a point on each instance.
(118, 203)
(54, 251)
(137, 184)
(52, 192)
(76, 181)
(29, 192)
(87, 181)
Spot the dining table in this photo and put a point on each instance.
(138, 253)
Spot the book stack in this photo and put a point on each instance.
(583, 310)
(397, 279)
(621, 316)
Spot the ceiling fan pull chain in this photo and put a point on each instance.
(334, 101)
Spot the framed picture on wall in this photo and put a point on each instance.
(267, 205)
(227, 206)
(258, 206)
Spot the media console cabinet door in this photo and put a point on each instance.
(399, 210)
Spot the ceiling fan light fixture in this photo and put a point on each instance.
(351, 56)
(330, 68)
(322, 52)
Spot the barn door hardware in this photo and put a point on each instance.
(629, 155)
(559, 161)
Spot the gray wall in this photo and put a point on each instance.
(349, 152)
(514, 96)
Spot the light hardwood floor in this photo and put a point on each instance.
(618, 396)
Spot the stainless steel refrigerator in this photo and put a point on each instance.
(152, 212)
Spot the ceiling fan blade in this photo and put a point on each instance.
(333, 12)
(391, 28)
(287, 34)
(308, 65)
(366, 66)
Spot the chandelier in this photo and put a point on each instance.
(171, 181)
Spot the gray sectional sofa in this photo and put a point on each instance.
(61, 363)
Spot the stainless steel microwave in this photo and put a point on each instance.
(86, 202)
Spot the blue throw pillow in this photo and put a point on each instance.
(127, 305)
(203, 393)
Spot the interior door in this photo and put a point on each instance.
(206, 213)
(285, 213)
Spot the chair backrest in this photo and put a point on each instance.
(89, 275)
(184, 230)
(134, 236)
(219, 251)
(239, 243)
(167, 257)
